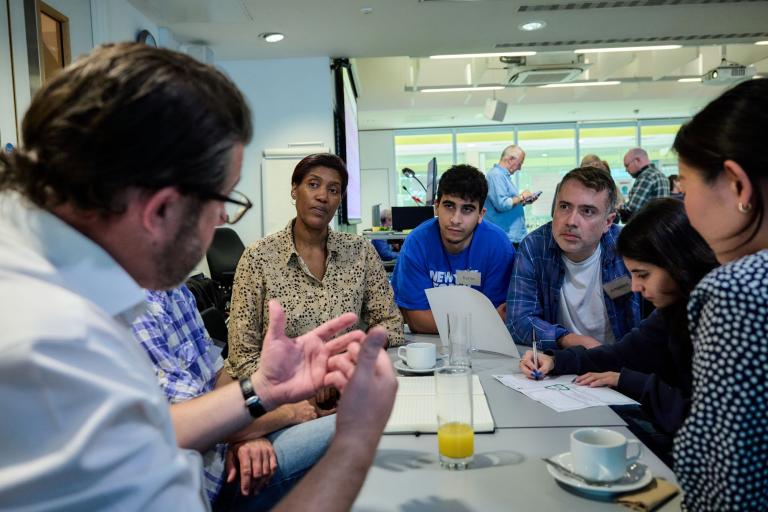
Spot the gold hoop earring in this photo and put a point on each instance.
(744, 208)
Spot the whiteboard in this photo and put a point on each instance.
(276, 170)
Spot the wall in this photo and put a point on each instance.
(377, 157)
(117, 20)
(291, 101)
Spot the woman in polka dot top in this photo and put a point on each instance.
(721, 451)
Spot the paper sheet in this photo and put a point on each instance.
(562, 394)
(488, 330)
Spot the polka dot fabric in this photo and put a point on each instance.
(721, 452)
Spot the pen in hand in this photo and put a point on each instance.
(536, 373)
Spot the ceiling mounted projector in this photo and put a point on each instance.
(728, 72)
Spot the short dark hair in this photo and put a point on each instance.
(127, 116)
(661, 234)
(463, 181)
(596, 179)
(329, 160)
(673, 178)
(731, 127)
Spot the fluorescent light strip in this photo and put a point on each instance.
(629, 49)
(462, 89)
(580, 84)
(481, 55)
(762, 43)
(686, 80)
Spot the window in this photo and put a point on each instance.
(550, 152)
(657, 138)
(610, 142)
(482, 148)
(53, 41)
(414, 152)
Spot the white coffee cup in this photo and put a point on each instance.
(601, 454)
(419, 356)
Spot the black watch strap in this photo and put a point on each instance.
(252, 400)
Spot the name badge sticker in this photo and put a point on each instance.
(468, 278)
(618, 287)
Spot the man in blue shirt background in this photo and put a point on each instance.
(456, 248)
(504, 203)
(568, 282)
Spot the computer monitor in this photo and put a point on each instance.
(431, 181)
(408, 217)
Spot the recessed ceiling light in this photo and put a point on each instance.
(272, 37)
(580, 84)
(481, 55)
(532, 25)
(366, 10)
(463, 89)
(629, 49)
(693, 79)
(762, 43)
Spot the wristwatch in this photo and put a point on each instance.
(252, 400)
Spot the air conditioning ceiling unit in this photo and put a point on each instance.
(545, 68)
(543, 75)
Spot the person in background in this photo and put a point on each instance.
(86, 221)
(652, 363)
(314, 272)
(674, 187)
(386, 250)
(271, 454)
(592, 160)
(568, 283)
(649, 182)
(721, 451)
(456, 248)
(504, 203)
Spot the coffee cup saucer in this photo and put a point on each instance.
(637, 476)
(401, 366)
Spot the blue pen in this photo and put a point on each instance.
(536, 373)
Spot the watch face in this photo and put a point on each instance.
(146, 37)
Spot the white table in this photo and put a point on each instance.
(507, 474)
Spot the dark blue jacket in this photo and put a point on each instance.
(654, 366)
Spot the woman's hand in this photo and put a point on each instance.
(546, 364)
(598, 379)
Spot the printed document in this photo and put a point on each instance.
(562, 394)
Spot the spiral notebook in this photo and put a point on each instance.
(415, 407)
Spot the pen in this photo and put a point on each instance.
(536, 373)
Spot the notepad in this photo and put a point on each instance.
(415, 407)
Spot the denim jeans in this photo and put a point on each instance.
(297, 449)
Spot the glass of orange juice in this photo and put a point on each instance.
(455, 435)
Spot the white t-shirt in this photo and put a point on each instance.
(582, 307)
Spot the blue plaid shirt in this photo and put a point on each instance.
(534, 290)
(174, 337)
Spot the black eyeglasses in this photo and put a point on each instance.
(235, 204)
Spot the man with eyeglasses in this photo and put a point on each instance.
(129, 161)
(650, 182)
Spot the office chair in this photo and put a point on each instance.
(222, 257)
(216, 325)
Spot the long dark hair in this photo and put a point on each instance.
(660, 234)
(732, 127)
